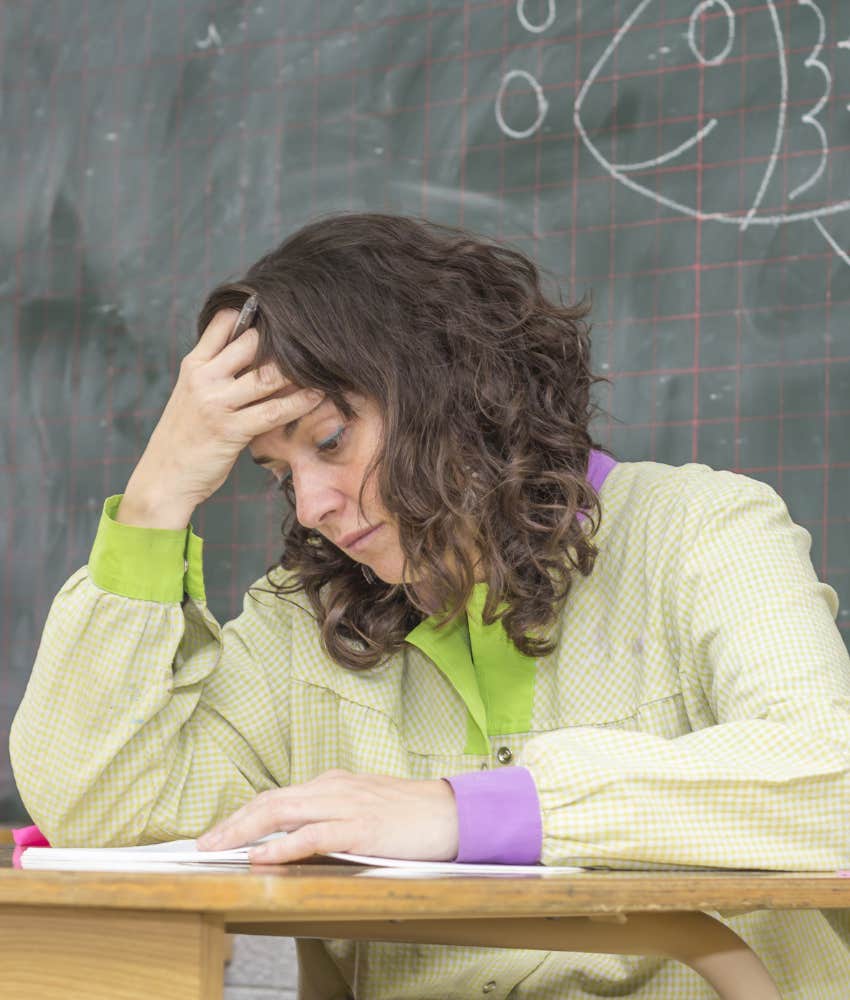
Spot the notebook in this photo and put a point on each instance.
(183, 855)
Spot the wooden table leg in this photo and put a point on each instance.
(709, 947)
(98, 954)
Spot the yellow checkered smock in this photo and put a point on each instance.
(696, 711)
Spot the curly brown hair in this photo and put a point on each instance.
(484, 387)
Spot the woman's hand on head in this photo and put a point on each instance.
(216, 408)
(339, 811)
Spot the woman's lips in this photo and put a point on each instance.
(364, 539)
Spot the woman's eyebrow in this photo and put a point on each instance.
(288, 430)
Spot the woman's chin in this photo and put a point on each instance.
(385, 569)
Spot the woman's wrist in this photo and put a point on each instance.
(144, 507)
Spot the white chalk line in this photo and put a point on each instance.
(812, 215)
(213, 38)
(810, 118)
(542, 104)
(827, 235)
(730, 24)
(656, 161)
(783, 110)
(671, 203)
(845, 45)
(535, 28)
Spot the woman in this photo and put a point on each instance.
(617, 664)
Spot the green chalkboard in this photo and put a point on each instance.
(684, 162)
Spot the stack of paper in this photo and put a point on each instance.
(183, 855)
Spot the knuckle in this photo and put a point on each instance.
(188, 366)
(269, 372)
(278, 811)
(335, 775)
(193, 378)
(312, 839)
(268, 801)
(248, 338)
(225, 315)
(337, 772)
(274, 409)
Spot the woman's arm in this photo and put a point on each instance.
(768, 784)
(143, 720)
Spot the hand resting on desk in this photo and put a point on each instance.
(339, 811)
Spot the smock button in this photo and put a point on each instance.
(489, 987)
(504, 755)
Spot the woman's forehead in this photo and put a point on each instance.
(261, 446)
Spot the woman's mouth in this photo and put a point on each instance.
(364, 540)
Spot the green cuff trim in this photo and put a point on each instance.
(147, 564)
(193, 581)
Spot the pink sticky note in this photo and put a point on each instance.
(29, 836)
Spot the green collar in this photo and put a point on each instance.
(494, 680)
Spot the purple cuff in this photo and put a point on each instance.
(498, 815)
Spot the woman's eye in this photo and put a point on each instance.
(331, 443)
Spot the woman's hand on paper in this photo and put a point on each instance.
(339, 811)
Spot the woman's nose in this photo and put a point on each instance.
(317, 497)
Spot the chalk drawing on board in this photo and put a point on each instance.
(535, 28)
(212, 38)
(752, 214)
(542, 103)
(697, 47)
(540, 97)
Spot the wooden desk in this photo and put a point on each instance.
(120, 936)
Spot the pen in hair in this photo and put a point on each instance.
(246, 317)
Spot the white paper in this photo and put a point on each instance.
(174, 855)
(451, 867)
(183, 855)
